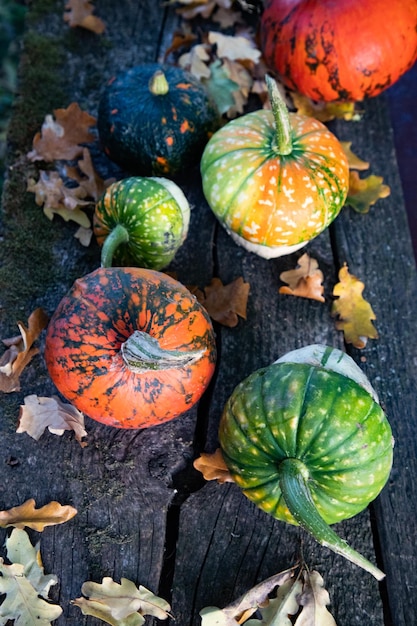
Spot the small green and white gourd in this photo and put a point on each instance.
(308, 442)
(141, 222)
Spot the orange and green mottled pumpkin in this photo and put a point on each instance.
(155, 119)
(339, 51)
(274, 179)
(141, 221)
(130, 347)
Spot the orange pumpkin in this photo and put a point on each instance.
(345, 50)
(130, 347)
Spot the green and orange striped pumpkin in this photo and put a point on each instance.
(155, 119)
(274, 179)
(130, 347)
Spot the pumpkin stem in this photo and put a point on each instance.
(141, 352)
(293, 482)
(158, 85)
(281, 116)
(117, 236)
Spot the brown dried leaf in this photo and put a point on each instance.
(324, 111)
(58, 199)
(80, 13)
(92, 185)
(234, 48)
(213, 467)
(28, 515)
(354, 313)
(355, 163)
(195, 61)
(60, 138)
(364, 192)
(224, 303)
(314, 599)
(205, 8)
(39, 413)
(305, 280)
(21, 351)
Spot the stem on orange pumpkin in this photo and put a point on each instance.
(294, 486)
(142, 352)
(118, 235)
(281, 117)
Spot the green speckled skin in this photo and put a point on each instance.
(154, 220)
(320, 417)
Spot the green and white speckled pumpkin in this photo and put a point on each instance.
(141, 222)
(274, 179)
(308, 442)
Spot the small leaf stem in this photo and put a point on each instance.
(117, 236)
(141, 352)
(297, 496)
(158, 85)
(281, 117)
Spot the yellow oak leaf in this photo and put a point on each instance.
(364, 192)
(354, 313)
(305, 280)
(80, 13)
(60, 136)
(20, 351)
(324, 111)
(355, 162)
(224, 303)
(28, 515)
(213, 467)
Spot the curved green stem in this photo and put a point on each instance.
(297, 496)
(141, 352)
(117, 235)
(281, 117)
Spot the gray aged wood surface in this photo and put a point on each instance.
(144, 513)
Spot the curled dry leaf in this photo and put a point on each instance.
(189, 9)
(313, 599)
(355, 162)
(234, 48)
(354, 313)
(305, 280)
(114, 603)
(224, 303)
(213, 467)
(39, 413)
(88, 179)
(325, 111)
(28, 515)
(60, 138)
(20, 351)
(364, 192)
(80, 13)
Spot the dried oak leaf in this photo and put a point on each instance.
(196, 61)
(234, 48)
(60, 138)
(354, 313)
(80, 13)
(58, 199)
(20, 351)
(324, 111)
(193, 8)
(355, 162)
(121, 604)
(86, 176)
(313, 599)
(224, 303)
(213, 467)
(28, 515)
(305, 280)
(39, 413)
(364, 192)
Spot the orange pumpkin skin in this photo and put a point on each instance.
(343, 50)
(93, 322)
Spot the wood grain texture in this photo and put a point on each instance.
(144, 513)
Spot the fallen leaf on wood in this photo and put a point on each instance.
(279, 609)
(80, 13)
(87, 177)
(20, 351)
(39, 413)
(354, 313)
(235, 48)
(313, 599)
(213, 467)
(121, 604)
(196, 61)
(305, 280)
(324, 111)
(193, 8)
(355, 162)
(221, 87)
(58, 199)
(60, 138)
(224, 303)
(27, 514)
(20, 550)
(364, 192)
